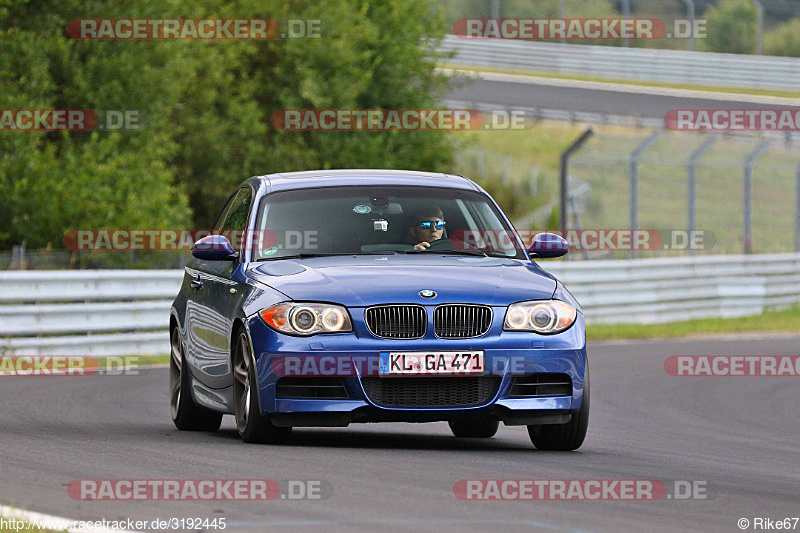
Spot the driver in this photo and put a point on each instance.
(428, 226)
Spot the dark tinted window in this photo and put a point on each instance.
(361, 219)
(224, 212)
(236, 218)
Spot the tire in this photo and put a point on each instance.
(476, 428)
(564, 437)
(186, 415)
(253, 427)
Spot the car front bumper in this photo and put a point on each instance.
(507, 354)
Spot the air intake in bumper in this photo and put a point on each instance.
(310, 388)
(544, 384)
(437, 392)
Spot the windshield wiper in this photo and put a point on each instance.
(298, 256)
(480, 253)
(384, 252)
(332, 254)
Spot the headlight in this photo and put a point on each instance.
(307, 319)
(541, 316)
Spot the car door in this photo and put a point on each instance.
(217, 288)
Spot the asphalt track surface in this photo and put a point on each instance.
(739, 435)
(612, 102)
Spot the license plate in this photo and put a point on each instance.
(469, 363)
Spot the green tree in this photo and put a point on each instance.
(208, 105)
(377, 55)
(458, 9)
(56, 181)
(784, 40)
(731, 27)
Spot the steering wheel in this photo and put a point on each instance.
(441, 244)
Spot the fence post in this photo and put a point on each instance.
(576, 215)
(690, 12)
(760, 24)
(563, 179)
(635, 155)
(692, 171)
(797, 215)
(748, 193)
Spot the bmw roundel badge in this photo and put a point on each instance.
(427, 293)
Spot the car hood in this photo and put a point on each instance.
(357, 281)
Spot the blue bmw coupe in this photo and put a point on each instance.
(328, 298)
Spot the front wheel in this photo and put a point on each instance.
(186, 415)
(564, 437)
(479, 428)
(251, 424)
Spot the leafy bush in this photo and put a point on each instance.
(784, 40)
(207, 104)
(731, 27)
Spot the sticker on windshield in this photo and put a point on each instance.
(362, 209)
(270, 251)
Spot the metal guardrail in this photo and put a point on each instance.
(102, 312)
(648, 291)
(86, 312)
(673, 66)
(86, 285)
(540, 113)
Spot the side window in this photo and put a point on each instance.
(236, 218)
(233, 223)
(224, 212)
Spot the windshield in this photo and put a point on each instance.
(372, 220)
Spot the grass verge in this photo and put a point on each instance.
(603, 163)
(113, 362)
(786, 320)
(640, 83)
(541, 144)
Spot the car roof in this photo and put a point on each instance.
(334, 178)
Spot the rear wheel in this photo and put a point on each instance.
(564, 437)
(251, 424)
(186, 415)
(476, 428)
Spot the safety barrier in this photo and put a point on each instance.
(108, 312)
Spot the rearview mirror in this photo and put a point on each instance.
(214, 248)
(547, 245)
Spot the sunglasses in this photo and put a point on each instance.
(439, 224)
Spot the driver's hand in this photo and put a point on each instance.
(422, 245)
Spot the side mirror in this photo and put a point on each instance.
(214, 248)
(547, 245)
